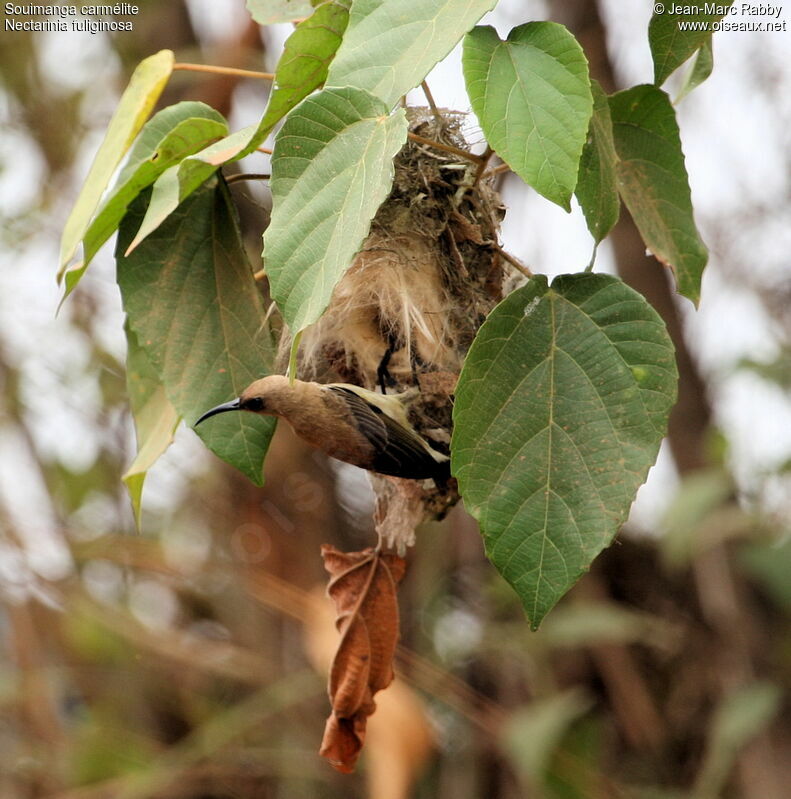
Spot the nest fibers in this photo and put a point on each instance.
(421, 285)
(425, 277)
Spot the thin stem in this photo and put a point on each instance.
(496, 170)
(487, 154)
(515, 262)
(242, 73)
(589, 267)
(448, 148)
(259, 275)
(431, 104)
(264, 150)
(247, 176)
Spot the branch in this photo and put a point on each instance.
(242, 73)
(496, 170)
(247, 176)
(448, 148)
(431, 104)
(515, 262)
(487, 154)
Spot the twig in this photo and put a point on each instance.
(496, 170)
(487, 154)
(264, 150)
(448, 148)
(242, 73)
(454, 249)
(259, 275)
(247, 176)
(515, 262)
(431, 104)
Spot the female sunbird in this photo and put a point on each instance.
(349, 423)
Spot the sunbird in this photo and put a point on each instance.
(347, 422)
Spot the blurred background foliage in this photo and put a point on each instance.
(189, 661)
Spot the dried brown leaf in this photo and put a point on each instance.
(363, 588)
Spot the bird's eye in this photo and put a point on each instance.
(253, 404)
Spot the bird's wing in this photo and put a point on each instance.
(398, 451)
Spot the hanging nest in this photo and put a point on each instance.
(421, 285)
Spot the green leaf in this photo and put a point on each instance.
(155, 418)
(670, 45)
(391, 46)
(741, 716)
(306, 59)
(140, 96)
(653, 182)
(776, 371)
(700, 71)
(268, 12)
(684, 532)
(768, 563)
(165, 140)
(178, 182)
(191, 300)
(331, 169)
(590, 623)
(532, 96)
(102, 749)
(532, 733)
(560, 409)
(301, 69)
(597, 181)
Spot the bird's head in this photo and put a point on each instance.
(262, 396)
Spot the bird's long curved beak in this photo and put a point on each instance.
(233, 405)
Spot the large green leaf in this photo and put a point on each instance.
(165, 140)
(179, 181)
(675, 36)
(306, 58)
(560, 409)
(193, 305)
(532, 96)
(597, 182)
(653, 182)
(391, 45)
(332, 167)
(155, 418)
(140, 96)
(699, 71)
(301, 69)
(268, 12)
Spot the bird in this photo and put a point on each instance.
(347, 422)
